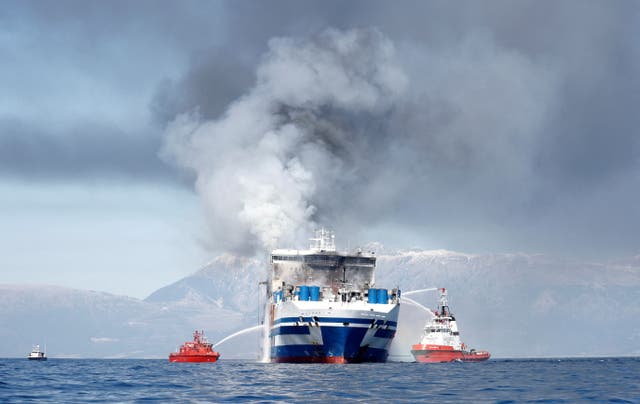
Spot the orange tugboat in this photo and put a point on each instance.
(198, 350)
(441, 339)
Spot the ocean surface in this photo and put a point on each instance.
(504, 381)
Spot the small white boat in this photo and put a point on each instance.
(36, 354)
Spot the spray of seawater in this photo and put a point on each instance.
(265, 337)
(413, 292)
(235, 334)
(413, 302)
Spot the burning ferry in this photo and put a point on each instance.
(324, 306)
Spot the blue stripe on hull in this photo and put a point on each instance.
(287, 330)
(338, 342)
(333, 320)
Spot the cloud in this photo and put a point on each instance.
(85, 149)
(77, 81)
(103, 340)
(516, 128)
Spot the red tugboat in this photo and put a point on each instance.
(198, 350)
(441, 339)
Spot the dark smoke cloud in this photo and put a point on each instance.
(77, 79)
(266, 165)
(82, 150)
(215, 78)
(517, 129)
(512, 110)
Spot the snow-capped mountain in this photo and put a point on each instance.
(510, 304)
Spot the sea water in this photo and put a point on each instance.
(497, 380)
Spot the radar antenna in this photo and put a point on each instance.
(324, 240)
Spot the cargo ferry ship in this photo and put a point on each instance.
(441, 339)
(198, 350)
(325, 307)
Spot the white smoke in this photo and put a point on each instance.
(347, 130)
(259, 165)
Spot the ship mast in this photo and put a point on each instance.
(444, 307)
(324, 240)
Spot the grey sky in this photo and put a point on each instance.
(518, 129)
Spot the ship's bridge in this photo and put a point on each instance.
(323, 265)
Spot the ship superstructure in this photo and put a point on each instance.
(324, 306)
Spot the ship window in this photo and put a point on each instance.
(285, 258)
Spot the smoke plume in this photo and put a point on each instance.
(262, 164)
(346, 129)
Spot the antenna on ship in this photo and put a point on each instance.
(444, 307)
(324, 240)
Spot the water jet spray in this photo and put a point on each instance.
(246, 330)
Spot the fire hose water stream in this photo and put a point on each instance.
(413, 292)
(413, 302)
(235, 334)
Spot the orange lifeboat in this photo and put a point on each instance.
(198, 350)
